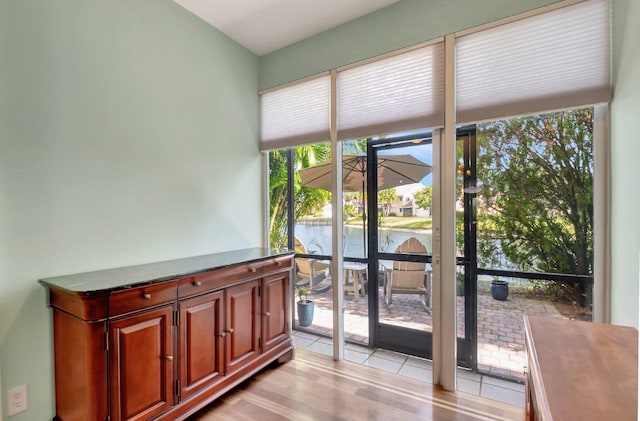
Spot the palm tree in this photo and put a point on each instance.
(305, 199)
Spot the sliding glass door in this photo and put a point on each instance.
(400, 246)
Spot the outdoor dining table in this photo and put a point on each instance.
(354, 271)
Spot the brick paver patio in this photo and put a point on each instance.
(501, 348)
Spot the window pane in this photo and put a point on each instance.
(536, 187)
(278, 209)
(312, 202)
(312, 226)
(405, 227)
(354, 190)
(535, 220)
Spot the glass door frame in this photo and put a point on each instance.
(403, 339)
(467, 355)
(382, 335)
(394, 337)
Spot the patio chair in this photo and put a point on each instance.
(408, 277)
(308, 270)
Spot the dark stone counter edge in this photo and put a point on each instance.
(110, 280)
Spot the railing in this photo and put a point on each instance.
(585, 281)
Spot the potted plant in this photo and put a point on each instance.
(499, 289)
(304, 306)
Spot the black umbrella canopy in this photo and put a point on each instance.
(393, 171)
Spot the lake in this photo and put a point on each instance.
(317, 239)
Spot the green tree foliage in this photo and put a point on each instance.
(424, 198)
(386, 197)
(278, 199)
(536, 196)
(305, 199)
(349, 211)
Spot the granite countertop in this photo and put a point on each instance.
(101, 281)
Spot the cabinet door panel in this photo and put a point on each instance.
(141, 365)
(275, 309)
(201, 351)
(243, 325)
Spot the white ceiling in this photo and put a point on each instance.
(263, 26)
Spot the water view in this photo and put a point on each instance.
(317, 239)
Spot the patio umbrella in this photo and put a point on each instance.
(393, 171)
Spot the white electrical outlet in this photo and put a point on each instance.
(17, 400)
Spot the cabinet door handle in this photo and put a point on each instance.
(222, 334)
(197, 283)
(267, 313)
(278, 263)
(169, 357)
(146, 296)
(230, 330)
(252, 270)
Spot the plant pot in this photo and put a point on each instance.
(305, 312)
(499, 290)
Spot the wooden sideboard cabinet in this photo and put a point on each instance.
(580, 371)
(160, 341)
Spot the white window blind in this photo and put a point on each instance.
(296, 114)
(403, 92)
(559, 59)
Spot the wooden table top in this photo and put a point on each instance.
(581, 370)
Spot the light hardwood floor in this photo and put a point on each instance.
(314, 387)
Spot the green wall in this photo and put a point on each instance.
(128, 135)
(625, 151)
(402, 24)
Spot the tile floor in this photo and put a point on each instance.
(501, 345)
(416, 368)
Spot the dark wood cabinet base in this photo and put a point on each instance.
(161, 341)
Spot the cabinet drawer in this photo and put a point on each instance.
(142, 297)
(274, 265)
(221, 278)
(215, 279)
